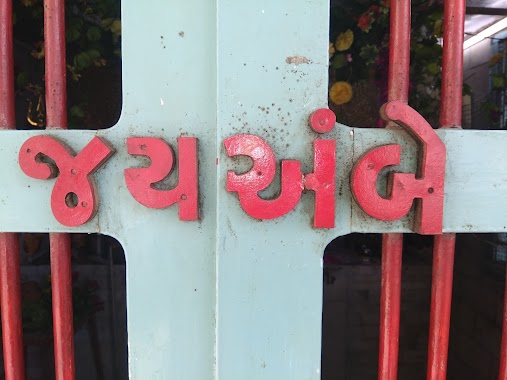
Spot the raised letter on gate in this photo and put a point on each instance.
(248, 185)
(426, 187)
(140, 180)
(74, 198)
(260, 176)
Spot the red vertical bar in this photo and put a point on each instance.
(444, 246)
(10, 295)
(441, 296)
(61, 287)
(10, 285)
(502, 375)
(54, 46)
(392, 244)
(7, 118)
(56, 118)
(452, 64)
(399, 51)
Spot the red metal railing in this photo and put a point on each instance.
(443, 264)
(392, 244)
(61, 287)
(10, 285)
(502, 375)
(56, 118)
(441, 296)
(443, 251)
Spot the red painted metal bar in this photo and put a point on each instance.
(10, 284)
(392, 244)
(399, 51)
(502, 374)
(7, 118)
(54, 47)
(451, 100)
(61, 287)
(444, 245)
(441, 296)
(10, 295)
(56, 118)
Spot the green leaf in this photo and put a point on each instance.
(427, 52)
(37, 12)
(467, 89)
(22, 79)
(339, 61)
(437, 14)
(72, 34)
(438, 28)
(498, 81)
(82, 61)
(77, 111)
(93, 54)
(94, 34)
(433, 68)
(116, 27)
(106, 23)
(369, 53)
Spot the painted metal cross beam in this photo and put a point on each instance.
(473, 191)
(212, 291)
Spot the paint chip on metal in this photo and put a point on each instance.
(297, 60)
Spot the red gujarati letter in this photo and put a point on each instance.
(323, 179)
(249, 184)
(140, 180)
(426, 187)
(74, 198)
(322, 182)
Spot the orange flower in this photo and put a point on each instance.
(364, 22)
(344, 40)
(340, 93)
(331, 49)
(495, 59)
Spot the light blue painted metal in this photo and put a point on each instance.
(269, 274)
(230, 297)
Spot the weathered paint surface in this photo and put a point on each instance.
(228, 296)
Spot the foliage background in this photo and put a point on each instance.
(364, 64)
(93, 33)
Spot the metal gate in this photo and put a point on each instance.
(221, 282)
